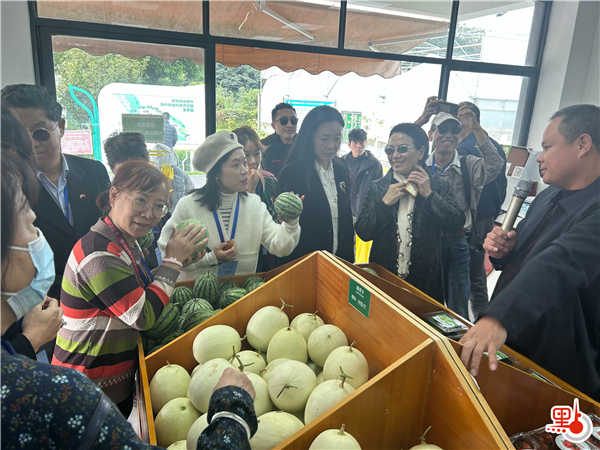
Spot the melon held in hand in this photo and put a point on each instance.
(203, 234)
(288, 206)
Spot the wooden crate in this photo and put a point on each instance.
(519, 401)
(414, 379)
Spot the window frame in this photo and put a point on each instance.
(43, 29)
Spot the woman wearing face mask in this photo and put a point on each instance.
(238, 223)
(108, 292)
(405, 212)
(46, 406)
(39, 326)
(315, 172)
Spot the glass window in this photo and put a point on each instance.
(373, 103)
(407, 27)
(183, 16)
(298, 22)
(497, 97)
(496, 32)
(108, 86)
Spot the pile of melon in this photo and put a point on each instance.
(299, 370)
(190, 307)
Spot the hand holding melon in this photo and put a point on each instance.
(188, 242)
(288, 206)
(233, 377)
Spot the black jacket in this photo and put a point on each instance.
(551, 308)
(315, 221)
(85, 180)
(379, 223)
(361, 171)
(275, 154)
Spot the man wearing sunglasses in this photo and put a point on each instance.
(466, 175)
(66, 208)
(278, 145)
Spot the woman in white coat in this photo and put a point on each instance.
(238, 223)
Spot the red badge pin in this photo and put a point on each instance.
(82, 196)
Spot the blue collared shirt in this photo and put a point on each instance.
(57, 192)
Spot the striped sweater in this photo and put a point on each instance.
(105, 307)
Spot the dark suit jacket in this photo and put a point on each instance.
(315, 221)
(379, 223)
(551, 308)
(85, 180)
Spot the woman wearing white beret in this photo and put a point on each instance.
(238, 223)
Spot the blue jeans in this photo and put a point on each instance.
(456, 268)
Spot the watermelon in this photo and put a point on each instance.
(254, 285)
(250, 281)
(195, 318)
(166, 323)
(231, 295)
(194, 305)
(288, 205)
(181, 295)
(146, 240)
(206, 287)
(203, 235)
(223, 285)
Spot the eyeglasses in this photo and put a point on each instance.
(140, 205)
(284, 120)
(402, 149)
(42, 134)
(446, 128)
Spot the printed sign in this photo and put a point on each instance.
(359, 297)
(570, 422)
(151, 126)
(77, 142)
(351, 120)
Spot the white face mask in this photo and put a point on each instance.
(30, 296)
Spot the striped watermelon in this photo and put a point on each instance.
(250, 287)
(195, 305)
(288, 205)
(181, 295)
(231, 295)
(195, 318)
(206, 287)
(223, 285)
(250, 281)
(166, 323)
(203, 235)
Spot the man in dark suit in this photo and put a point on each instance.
(278, 145)
(546, 303)
(66, 208)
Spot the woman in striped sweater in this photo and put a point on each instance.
(108, 292)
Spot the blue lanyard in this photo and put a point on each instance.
(66, 198)
(235, 219)
(8, 346)
(442, 170)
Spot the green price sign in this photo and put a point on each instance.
(150, 125)
(359, 297)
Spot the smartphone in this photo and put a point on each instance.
(447, 107)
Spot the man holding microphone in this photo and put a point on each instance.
(546, 304)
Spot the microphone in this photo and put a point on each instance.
(519, 195)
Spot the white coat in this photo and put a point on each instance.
(255, 227)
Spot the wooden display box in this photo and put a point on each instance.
(414, 382)
(520, 401)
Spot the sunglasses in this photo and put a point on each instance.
(400, 149)
(42, 134)
(284, 120)
(446, 128)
